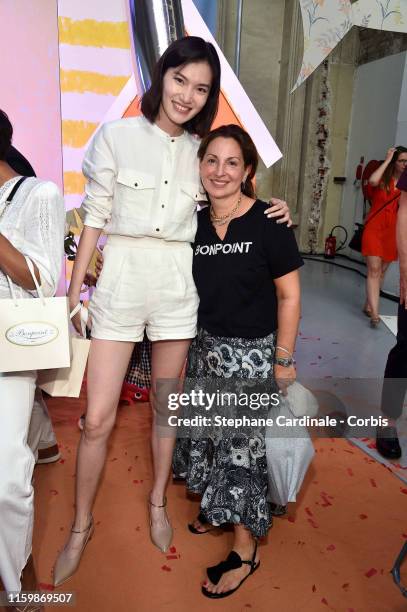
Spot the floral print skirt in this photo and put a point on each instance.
(228, 466)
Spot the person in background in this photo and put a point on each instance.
(379, 236)
(395, 375)
(32, 222)
(246, 272)
(41, 436)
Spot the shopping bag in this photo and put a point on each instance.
(301, 401)
(34, 333)
(67, 382)
(289, 450)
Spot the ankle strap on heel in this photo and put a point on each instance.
(83, 530)
(157, 506)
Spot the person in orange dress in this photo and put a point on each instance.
(379, 236)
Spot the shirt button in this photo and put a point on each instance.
(136, 184)
(157, 229)
(166, 182)
(162, 205)
(172, 140)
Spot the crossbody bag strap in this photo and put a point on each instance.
(14, 190)
(381, 208)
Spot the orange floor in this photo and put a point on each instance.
(333, 552)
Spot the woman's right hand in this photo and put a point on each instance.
(284, 377)
(390, 153)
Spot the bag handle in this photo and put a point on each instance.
(75, 310)
(84, 316)
(37, 286)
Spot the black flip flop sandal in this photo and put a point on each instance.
(277, 510)
(202, 519)
(234, 561)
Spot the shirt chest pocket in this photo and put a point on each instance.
(134, 189)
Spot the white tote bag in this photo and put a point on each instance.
(289, 450)
(67, 382)
(34, 333)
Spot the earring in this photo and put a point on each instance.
(242, 185)
(202, 190)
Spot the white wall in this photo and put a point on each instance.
(379, 121)
(401, 134)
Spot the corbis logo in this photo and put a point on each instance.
(32, 333)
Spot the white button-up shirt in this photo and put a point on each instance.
(142, 182)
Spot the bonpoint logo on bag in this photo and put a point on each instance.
(32, 333)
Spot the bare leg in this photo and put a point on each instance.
(108, 362)
(373, 281)
(244, 544)
(168, 359)
(385, 265)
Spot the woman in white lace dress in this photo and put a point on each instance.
(31, 224)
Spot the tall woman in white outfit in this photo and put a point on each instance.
(31, 225)
(142, 191)
(143, 188)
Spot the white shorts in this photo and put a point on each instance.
(146, 283)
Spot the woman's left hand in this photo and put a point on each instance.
(279, 208)
(284, 377)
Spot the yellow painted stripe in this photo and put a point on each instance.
(77, 133)
(82, 81)
(92, 33)
(74, 182)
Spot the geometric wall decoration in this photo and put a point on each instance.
(325, 23)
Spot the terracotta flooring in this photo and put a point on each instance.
(333, 552)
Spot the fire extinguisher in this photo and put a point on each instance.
(330, 247)
(330, 243)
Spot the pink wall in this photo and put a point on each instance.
(29, 90)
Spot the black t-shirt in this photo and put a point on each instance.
(234, 276)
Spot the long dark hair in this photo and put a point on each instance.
(181, 52)
(6, 135)
(388, 173)
(247, 146)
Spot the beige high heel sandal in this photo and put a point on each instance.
(160, 536)
(64, 567)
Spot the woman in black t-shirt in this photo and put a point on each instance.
(246, 272)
